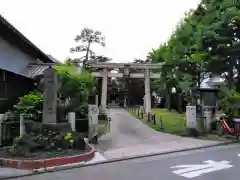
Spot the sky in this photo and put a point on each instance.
(131, 27)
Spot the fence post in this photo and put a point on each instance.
(161, 123)
(154, 119)
(22, 125)
(138, 113)
(1, 120)
(72, 120)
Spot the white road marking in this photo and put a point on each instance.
(195, 170)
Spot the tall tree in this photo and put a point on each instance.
(206, 41)
(87, 38)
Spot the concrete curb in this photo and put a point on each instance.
(48, 162)
(81, 164)
(29, 164)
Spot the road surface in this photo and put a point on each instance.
(157, 167)
(128, 136)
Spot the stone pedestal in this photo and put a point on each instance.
(72, 120)
(208, 119)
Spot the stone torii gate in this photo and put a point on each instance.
(147, 75)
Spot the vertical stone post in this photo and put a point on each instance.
(104, 89)
(22, 125)
(125, 102)
(50, 96)
(1, 121)
(148, 108)
(96, 99)
(208, 119)
(72, 120)
(93, 112)
(144, 103)
(191, 118)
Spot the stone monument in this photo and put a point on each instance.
(191, 121)
(50, 96)
(191, 117)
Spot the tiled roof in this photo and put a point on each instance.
(33, 71)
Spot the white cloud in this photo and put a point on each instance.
(131, 27)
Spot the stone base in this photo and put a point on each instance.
(192, 132)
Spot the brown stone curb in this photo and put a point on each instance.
(44, 163)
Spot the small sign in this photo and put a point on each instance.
(191, 114)
(195, 170)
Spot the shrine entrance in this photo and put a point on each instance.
(146, 75)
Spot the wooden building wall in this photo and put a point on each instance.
(12, 86)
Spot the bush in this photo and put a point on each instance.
(229, 101)
(30, 105)
(45, 137)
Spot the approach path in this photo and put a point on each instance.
(130, 137)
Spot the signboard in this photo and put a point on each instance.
(195, 170)
(191, 117)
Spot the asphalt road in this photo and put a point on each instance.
(157, 167)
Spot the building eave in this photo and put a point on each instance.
(12, 35)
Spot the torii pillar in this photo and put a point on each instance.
(104, 89)
(148, 108)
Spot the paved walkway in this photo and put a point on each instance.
(130, 137)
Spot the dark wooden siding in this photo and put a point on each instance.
(12, 86)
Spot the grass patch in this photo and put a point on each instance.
(172, 121)
(175, 123)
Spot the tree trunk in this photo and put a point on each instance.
(87, 54)
(168, 99)
(180, 109)
(230, 75)
(199, 79)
